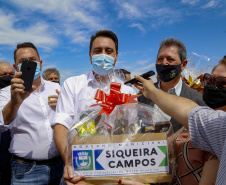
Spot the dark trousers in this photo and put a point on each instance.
(5, 158)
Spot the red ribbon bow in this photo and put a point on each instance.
(115, 98)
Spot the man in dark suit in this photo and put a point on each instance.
(171, 61)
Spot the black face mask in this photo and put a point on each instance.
(5, 81)
(214, 97)
(56, 82)
(168, 72)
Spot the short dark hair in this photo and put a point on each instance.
(25, 45)
(125, 71)
(224, 57)
(50, 70)
(221, 62)
(182, 53)
(104, 33)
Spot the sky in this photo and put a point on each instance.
(61, 30)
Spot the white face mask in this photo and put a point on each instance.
(102, 64)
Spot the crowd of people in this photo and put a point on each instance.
(34, 124)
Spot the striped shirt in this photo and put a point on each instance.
(208, 132)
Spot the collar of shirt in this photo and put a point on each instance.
(90, 77)
(42, 85)
(42, 80)
(176, 89)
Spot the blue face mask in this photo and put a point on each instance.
(37, 71)
(102, 64)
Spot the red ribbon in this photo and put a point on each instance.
(114, 98)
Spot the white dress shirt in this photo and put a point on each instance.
(175, 91)
(31, 131)
(77, 94)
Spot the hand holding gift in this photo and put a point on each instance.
(117, 139)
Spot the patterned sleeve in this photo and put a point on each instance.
(208, 129)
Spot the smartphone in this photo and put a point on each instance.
(145, 75)
(28, 69)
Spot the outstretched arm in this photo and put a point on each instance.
(175, 106)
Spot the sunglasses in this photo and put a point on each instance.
(219, 82)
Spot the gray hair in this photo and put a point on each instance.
(182, 53)
(50, 70)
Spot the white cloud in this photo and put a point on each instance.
(37, 33)
(210, 4)
(142, 62)
(129, 10)
(77, 36)
(148, 67)
(64, 74)
(64, 12)
(191, 2)
(153, 11)
(74, 19)
(139, 26)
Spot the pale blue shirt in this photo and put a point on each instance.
(31, 131)
(77, 94)
(208, 132)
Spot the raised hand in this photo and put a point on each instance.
(145, 86)
(18, 94)
(52, 99)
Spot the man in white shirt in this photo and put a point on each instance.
(28, 115)
(77, 93)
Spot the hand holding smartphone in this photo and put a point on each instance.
(145, 75)
(28, 69)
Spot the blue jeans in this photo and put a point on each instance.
(32, 174)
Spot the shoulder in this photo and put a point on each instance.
(72, 80)
(192, 94)
(5, 91)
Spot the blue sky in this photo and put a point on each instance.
(61, 30)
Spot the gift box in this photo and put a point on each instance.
(197, 66)
(120, 139)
